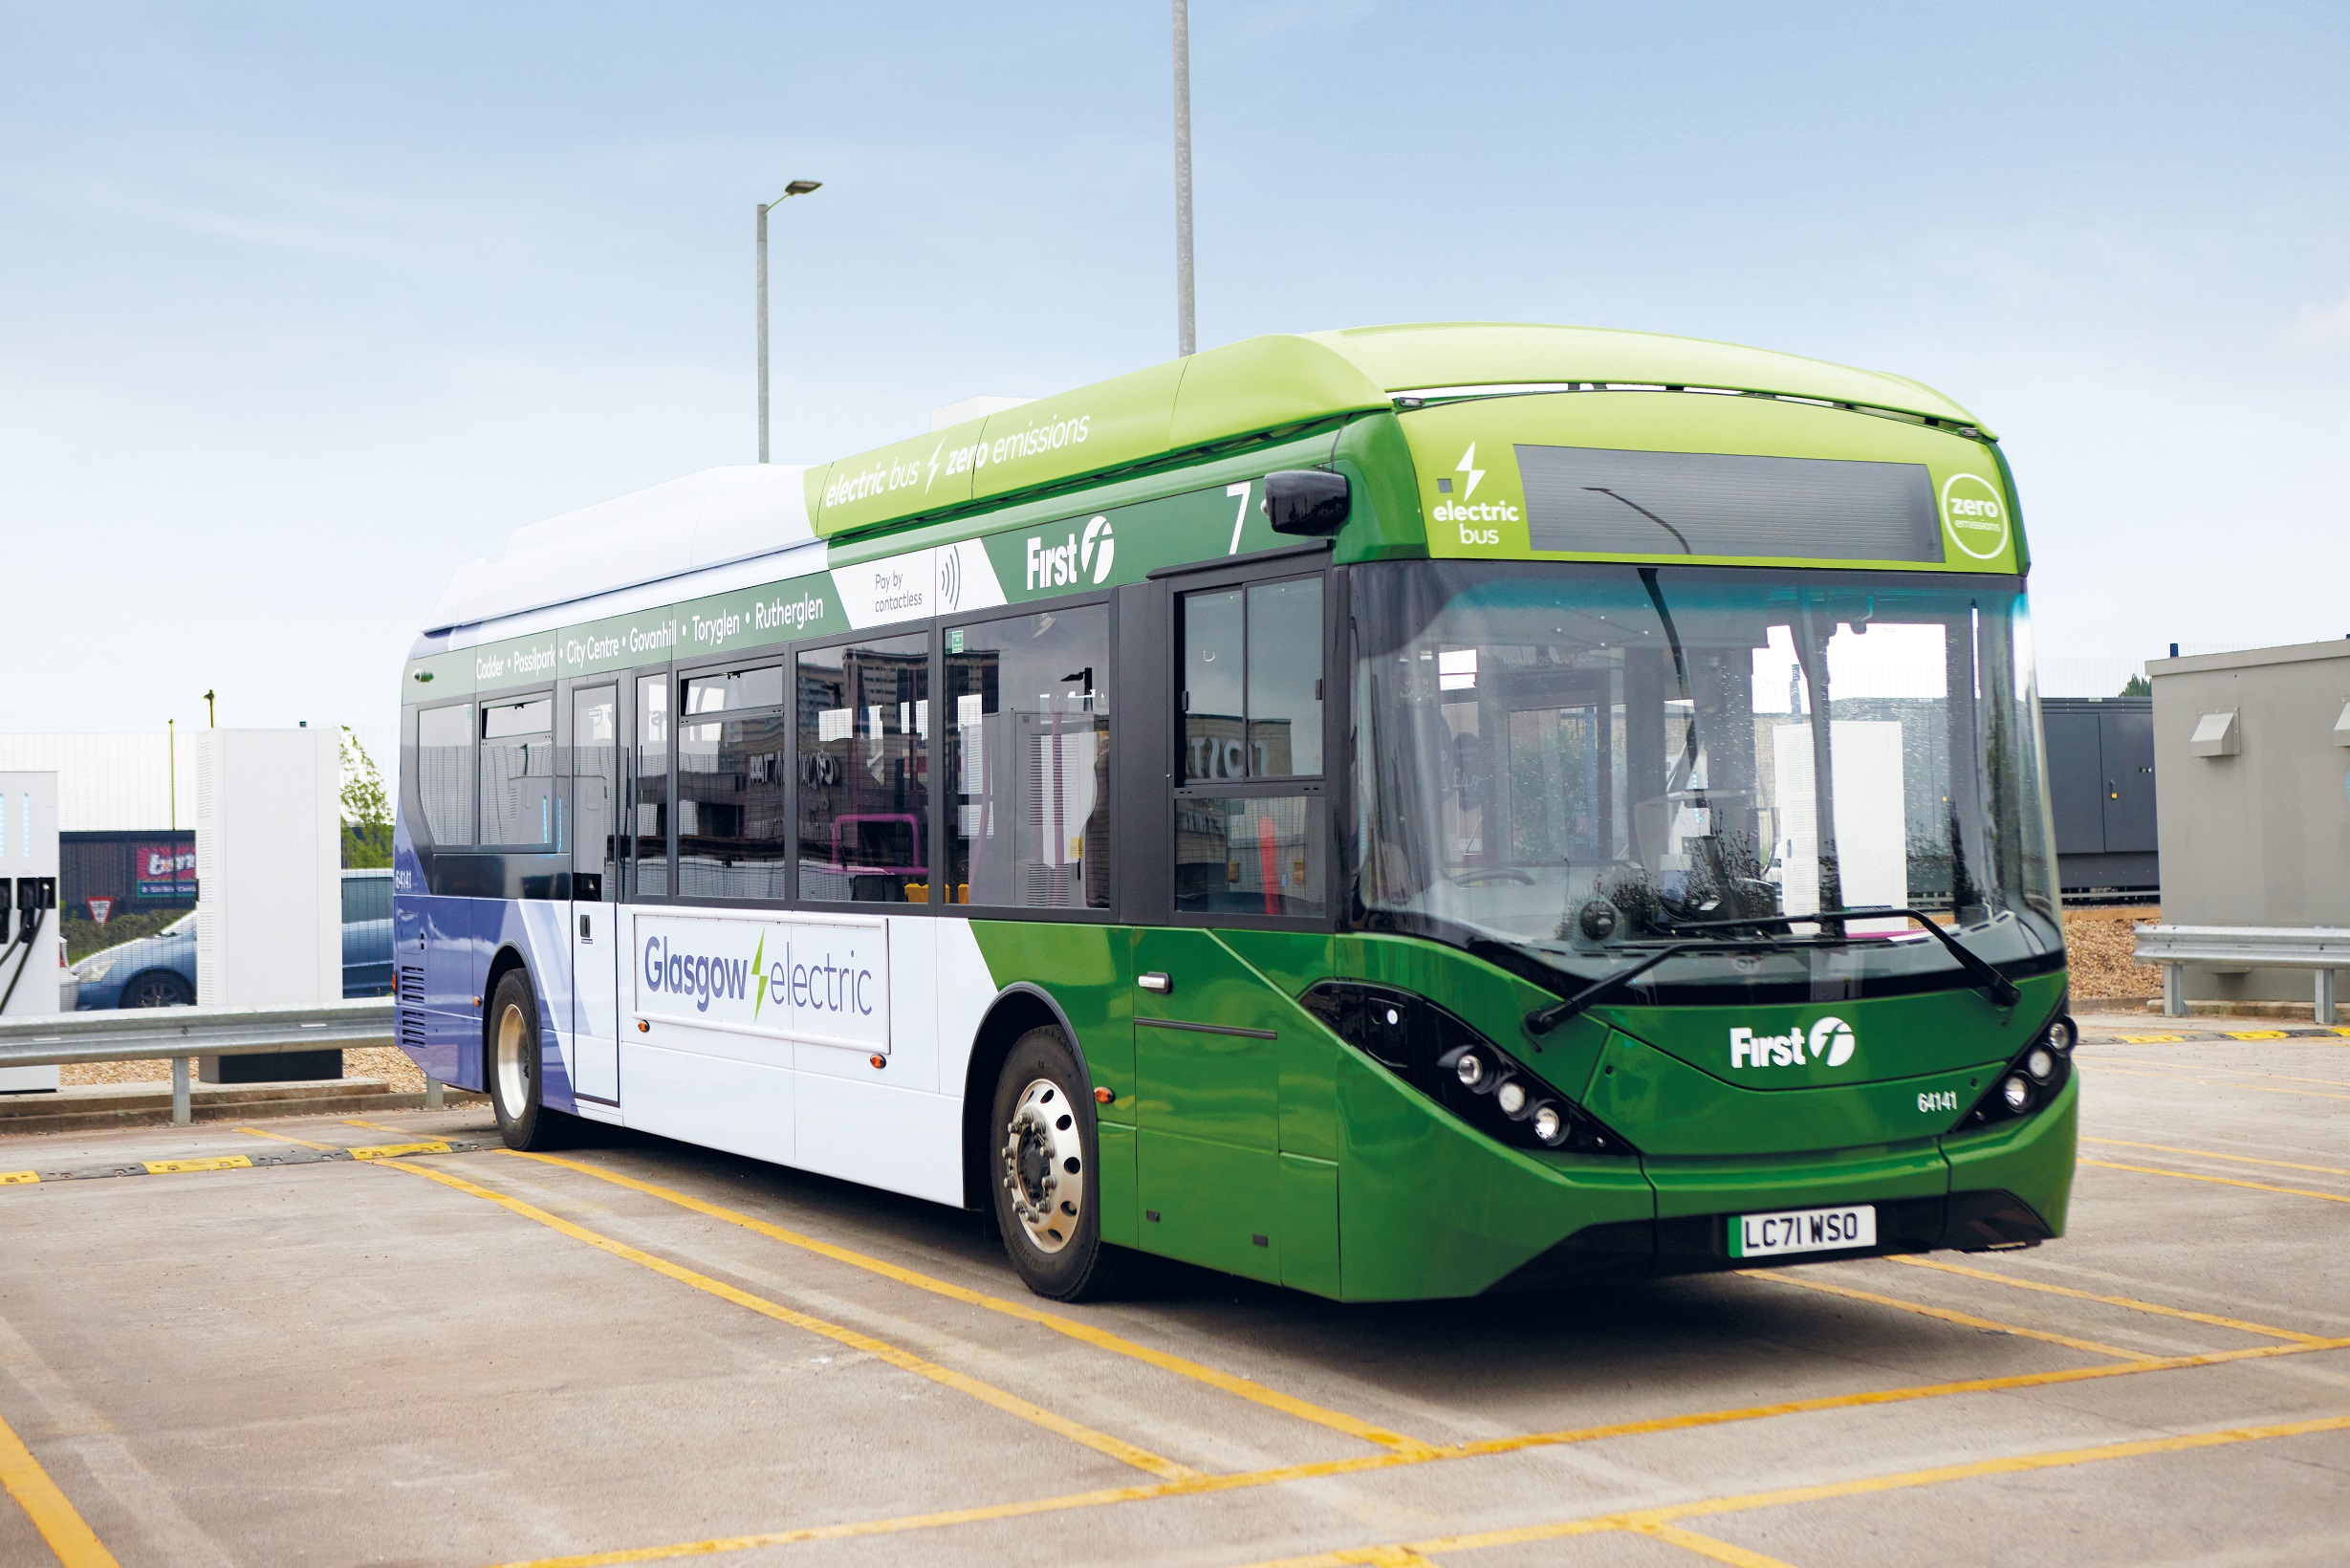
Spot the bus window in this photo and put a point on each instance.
(444, 771)
(1285, 678)
(594, 767)
(864, 767)
(732, 835)
(517, 773)
(651, 807)
(1248, 854)
(1253, 682)
(1028, 761)
(1253, 714)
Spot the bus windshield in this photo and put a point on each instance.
(1583, 762)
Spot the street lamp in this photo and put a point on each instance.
(1185, 340)
(797, 187)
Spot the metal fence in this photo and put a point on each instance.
(2321, 949)
(179, 1033)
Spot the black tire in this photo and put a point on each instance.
(510, 1064)
(1042, 1158)
(157, 988)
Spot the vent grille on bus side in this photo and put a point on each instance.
(411, 985)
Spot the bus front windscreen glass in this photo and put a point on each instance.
(1584, 761)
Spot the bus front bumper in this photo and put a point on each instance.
(1991, 1190)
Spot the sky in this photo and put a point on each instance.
(301, 306)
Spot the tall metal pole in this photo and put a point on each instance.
(1185, 339)
(797, 187)
(762, 211)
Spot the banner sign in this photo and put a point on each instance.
(822, 981)
(164, 871)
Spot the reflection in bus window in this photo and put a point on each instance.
(651, 806)
(1248, 854)
(595, 763)
(864, 767)
(1253, 682)
(732, 836)
(517, 792)
(1285, 678)
(1029, 757)
(444, 771)
(1580, 754)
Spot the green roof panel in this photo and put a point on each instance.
(1280, 381)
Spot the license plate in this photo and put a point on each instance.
(1803, 1230)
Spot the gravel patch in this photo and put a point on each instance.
(387, 1062)
(2098, 948)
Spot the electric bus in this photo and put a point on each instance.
(1395, 813)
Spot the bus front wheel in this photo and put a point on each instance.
(523, 1122)
(1043, 1164)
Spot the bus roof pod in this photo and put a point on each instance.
(709, 518)
(1285, 381)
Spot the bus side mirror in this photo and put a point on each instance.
(1306, 501)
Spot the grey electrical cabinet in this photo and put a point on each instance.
(2254, 748)
(2100, 779)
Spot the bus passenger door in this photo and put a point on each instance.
(594, 888)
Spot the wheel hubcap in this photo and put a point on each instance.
(513, 1060)
(1044, 1166)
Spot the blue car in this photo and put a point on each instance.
(159, 970)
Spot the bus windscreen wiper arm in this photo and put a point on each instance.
(2000, 989)
(1543, 1019)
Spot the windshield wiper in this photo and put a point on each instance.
(2000, 989)
(1543, 1019)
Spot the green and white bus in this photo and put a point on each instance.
(1398, 812)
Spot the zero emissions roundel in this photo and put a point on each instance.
(1975, 514)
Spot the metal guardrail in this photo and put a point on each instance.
(179, 1033)
(2320, 950)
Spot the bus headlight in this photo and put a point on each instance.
(2030, 1079)
(1451, 1063)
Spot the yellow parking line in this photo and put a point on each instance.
(18, 1178)
(2223, 1181)
(2224, 1071)
(1203, 1485)
(2176, 1076)
(1962, 1319)
(1084, 1333)
(2214, 1154)
(2130, 1302)
(986, 1393)
(284, 1138)
(365, 1151)
(1705, 1546)
(2143, 1039)
(1643, 1520)
(70, 1537)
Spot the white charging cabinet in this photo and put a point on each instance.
(28, 857)
(269, 867)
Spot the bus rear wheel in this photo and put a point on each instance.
(1041, 1166)
(512, 1050)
